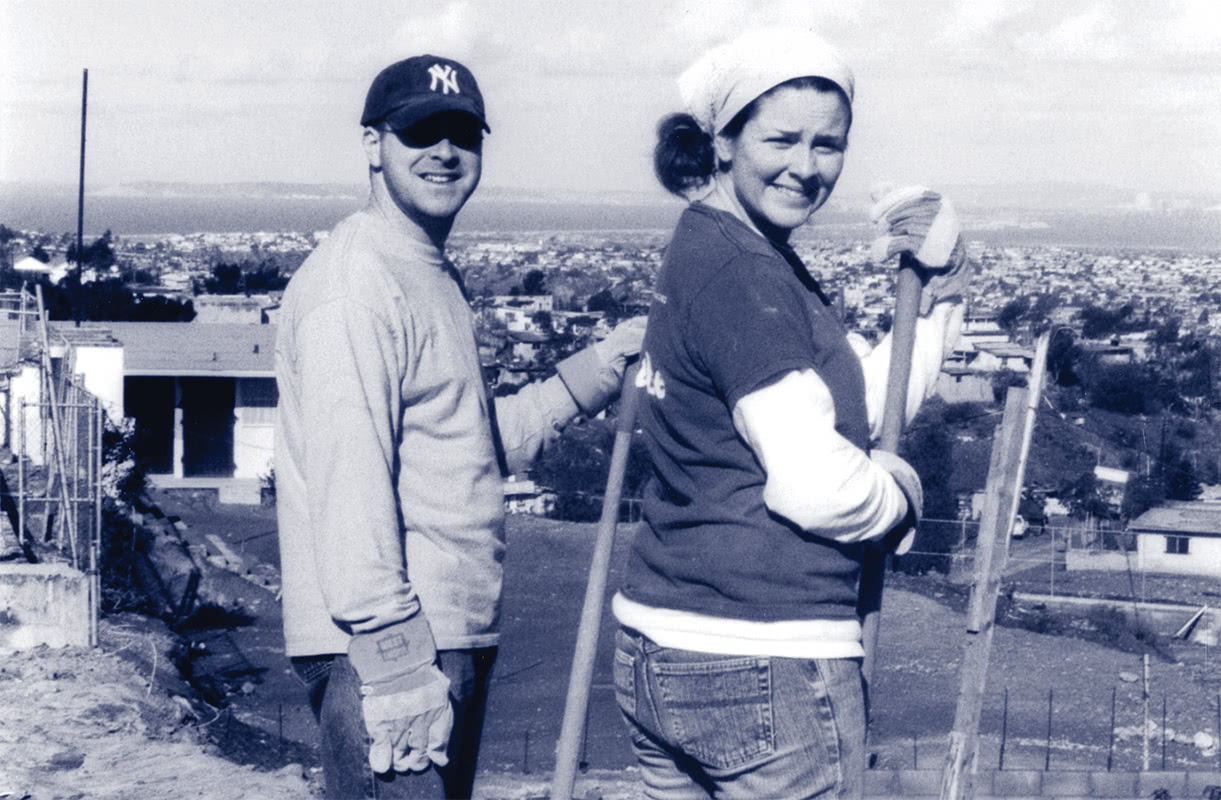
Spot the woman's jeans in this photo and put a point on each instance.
(334, 691)
(741, 726)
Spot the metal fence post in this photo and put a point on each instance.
(1111, 743)
(1004, 729)
(1047, 755)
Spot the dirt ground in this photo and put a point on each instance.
(115, 721)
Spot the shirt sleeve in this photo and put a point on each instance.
(748, 326)
(816, 478)
(347, 359)
(936, 335)
(531, 418)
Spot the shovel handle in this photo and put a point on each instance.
(577, 702)
(903, 339)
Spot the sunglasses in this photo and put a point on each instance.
(462, 131)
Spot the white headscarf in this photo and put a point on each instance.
(727, 78)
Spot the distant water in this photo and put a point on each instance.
(56, 213)
(143, 215)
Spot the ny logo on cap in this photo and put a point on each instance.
(446, 75)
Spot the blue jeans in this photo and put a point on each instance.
(705, 725)
(334, 692)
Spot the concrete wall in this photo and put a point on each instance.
(1164, 618)
(26, 385)
(1203, 556)
(43, 604)
(254, 429)
(966, 388)
(102, 368)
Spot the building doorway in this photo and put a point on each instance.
(207, 427)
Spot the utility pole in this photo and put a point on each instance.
(76, 299)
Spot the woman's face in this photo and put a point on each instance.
(787, 157)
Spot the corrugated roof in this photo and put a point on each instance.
(1199, 518)
(186, 348)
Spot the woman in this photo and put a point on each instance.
(737, 664)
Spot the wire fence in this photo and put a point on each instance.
(58, 426)
(1127, 727)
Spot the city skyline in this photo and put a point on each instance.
(949, 92)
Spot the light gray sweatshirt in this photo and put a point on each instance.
(387, 483)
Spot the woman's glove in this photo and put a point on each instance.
(919, 221)
(404, 696)
(592, 375)
(901, 537)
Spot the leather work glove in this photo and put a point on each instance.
(901, 537)
(593, 375)
(919, 221)
(404, 696)
(623, 342)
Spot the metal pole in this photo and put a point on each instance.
(1047, 756)
(1111, 743)
(1052, 591)
(56, 431)
(94, 550)
(80, 206)
(1004, 729)
(21, 462)
(1163, 732)
(1144, 734)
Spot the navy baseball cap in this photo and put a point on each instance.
(407, 91)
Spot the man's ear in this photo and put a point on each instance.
(723, 147)
(371, 140)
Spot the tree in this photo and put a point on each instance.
(535, 282)
(605, 302)
(927, 446)
(1181, 481)
(542, 319)
(226, 279)
(1062, 356)
(99, 255)
(1012, 313)
(575, 466)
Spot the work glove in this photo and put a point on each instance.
(623, 342)
(919, 221)
(900, 538)
(404, 696)
(593, 375)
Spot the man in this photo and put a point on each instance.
(390, 459)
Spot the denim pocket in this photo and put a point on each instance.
(624, 669)
(718, 712)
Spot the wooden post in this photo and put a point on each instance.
(572, 729)
(1002, 494)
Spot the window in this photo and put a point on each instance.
(1177, 544)
(257, 398)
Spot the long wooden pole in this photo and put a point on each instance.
(894, 415)
(1003, 493)
(580, 679)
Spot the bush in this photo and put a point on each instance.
(576, 466)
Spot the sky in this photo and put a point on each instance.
(1124, 93)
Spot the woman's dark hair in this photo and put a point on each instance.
(684, 158)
